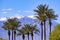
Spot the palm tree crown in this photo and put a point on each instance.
(41, 16)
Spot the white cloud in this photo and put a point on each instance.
(17, 16)
(8, 9)
(32, 16)
(4, 12)
(3, 19)
(19, 11)
(28, 11)
(3, 9)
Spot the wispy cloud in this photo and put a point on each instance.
(17, 16)
(5, 12)
(25, 11)
(19, 11)
(3, 19)
(28, 11)
(8, 9)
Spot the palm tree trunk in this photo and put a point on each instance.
(44, 30)
(14, 34)
(9, 34)
(23, 36)
(50, 25)
(28, 35)
(32, 35)
(41, 31)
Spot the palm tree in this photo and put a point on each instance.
(22, 32)
(27, 29)
(14, 25)
(41, 16)
(30, 29)
(7, 26)
(33, 30)
(50, 14)
(11, 22)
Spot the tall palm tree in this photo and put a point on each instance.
(41, 16)
(14, 25)
(50, 14)
(7, 26)
(22, 32)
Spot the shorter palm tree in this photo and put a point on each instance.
(7, 26)
(22, 32)
(27, 29)
(14, 25)
(33, 30)
(30, 29)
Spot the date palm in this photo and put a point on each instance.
(7, 26)
(33, 30)
(11, 22)
(41, 16)
(50, 14)
(27, 29)
(30, 29)
(14, 25)
(22, 32)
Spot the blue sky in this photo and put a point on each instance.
(10, 8)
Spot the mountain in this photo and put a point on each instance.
(27, 20)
